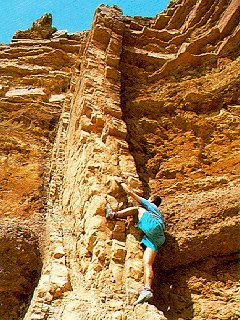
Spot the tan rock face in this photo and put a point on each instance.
(154, 102)
(36, 80)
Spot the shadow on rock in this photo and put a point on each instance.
(171, 292)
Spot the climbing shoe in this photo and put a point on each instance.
(109, 212)
(145, 295)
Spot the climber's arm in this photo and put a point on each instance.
(130, 192)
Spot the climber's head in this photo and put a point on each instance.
(156, 199)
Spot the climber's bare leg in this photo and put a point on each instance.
(124, 213)
(148, 260)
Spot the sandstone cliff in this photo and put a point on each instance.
(154, 101)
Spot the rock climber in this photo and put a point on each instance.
(151, 222)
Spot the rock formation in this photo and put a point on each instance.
(40, 29)
(153, 101)
(35, 87)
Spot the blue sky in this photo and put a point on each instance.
(71, 15)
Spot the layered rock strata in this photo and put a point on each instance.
(154, 102)
(37, 76)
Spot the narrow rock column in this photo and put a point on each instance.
(96, 153)
(90, 258)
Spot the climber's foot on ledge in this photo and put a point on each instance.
(145, 295)
(109, 212)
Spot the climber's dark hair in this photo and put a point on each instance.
(156, 199)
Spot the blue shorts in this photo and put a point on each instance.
(153, 231)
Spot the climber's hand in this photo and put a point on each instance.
(119, 180)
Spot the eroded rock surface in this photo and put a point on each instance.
(154, 102)
(37, 76)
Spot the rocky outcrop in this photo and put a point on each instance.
(37, 77)
(151, 101)
(180, 102)
(40, 29)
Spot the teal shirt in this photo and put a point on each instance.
(153, 209)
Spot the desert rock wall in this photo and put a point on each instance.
(87, 256)
(150, 101)
(35, 82)
(180, 102)
(37, 76)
